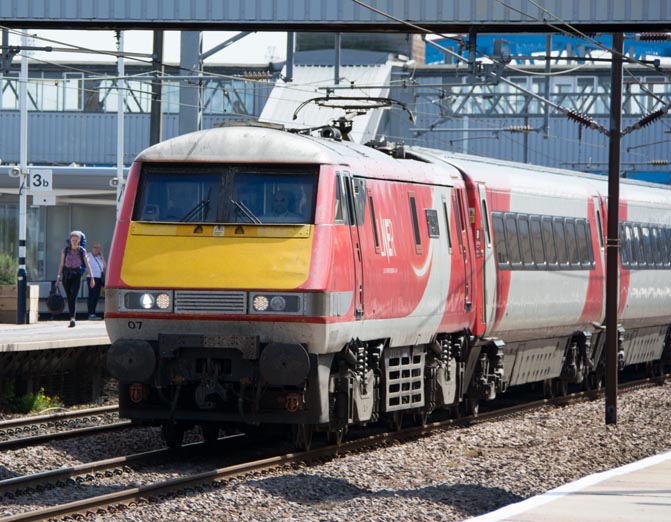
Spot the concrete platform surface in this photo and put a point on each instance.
(637, 492)
(45, 335)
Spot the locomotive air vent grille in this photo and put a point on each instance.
(404, 378)
(210, 302)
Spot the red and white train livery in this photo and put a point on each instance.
(262, 276)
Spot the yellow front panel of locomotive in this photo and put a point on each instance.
(217, 256)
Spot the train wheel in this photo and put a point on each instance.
(421, 418)
(657, 371)
(173, 434)
(595, 381)
(210, 432)
(336, 436)
(548, 392)
(395, 421)
(561, 388)
(302, 436)
(471, 406)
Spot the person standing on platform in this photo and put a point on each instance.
(74, 262)
(98, 265)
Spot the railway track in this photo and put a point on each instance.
(129, 496)
(27, 431)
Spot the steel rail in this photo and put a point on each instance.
(150, 491)
(54, 417)
(19, 442)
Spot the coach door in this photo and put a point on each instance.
(462, 242)
(488, 263)
(355, 192)
(600, 251)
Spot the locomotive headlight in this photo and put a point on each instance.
(147, 301)
(151, 301)
(272, 303)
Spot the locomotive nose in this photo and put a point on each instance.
(284, 364)
(131, 360)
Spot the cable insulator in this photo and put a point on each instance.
(653, 37)
(519, 128)
(659, 162)
(649, 118)
(581, 119)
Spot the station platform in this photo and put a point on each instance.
(640, 491)
(46, 335)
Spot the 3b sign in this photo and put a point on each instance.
(40, 180)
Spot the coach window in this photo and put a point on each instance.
(432, 222)
(456, 208)
(599, 230)
(590, 246)
(500, 240)
(560, 241)
(358, 197)
(571, 243)
(340, 211)
(625, 254)
(525, 240)
(637, 246)
(446, 211)
(581, 237)
(373, 223)
(512, 241)
(632, 250)
(654, 246)
(415, 223)
(663, 246)
(485, 222)
(668, 244)
(647, 246)
(537, 241)
(549, 241)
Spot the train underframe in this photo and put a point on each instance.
(198, 381)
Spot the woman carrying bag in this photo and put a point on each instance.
(74, 263)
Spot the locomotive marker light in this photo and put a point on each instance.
(260, 303)
(269, 303)
(150, 301)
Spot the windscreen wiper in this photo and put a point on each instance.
(244, 209)
(204, 204)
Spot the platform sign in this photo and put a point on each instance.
(40, 180)
(44, 199)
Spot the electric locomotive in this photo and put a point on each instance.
(225, 310)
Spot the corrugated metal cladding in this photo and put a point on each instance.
(567, 144)
(61, 138)
(304, 14)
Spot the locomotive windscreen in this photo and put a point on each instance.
(215, 193)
